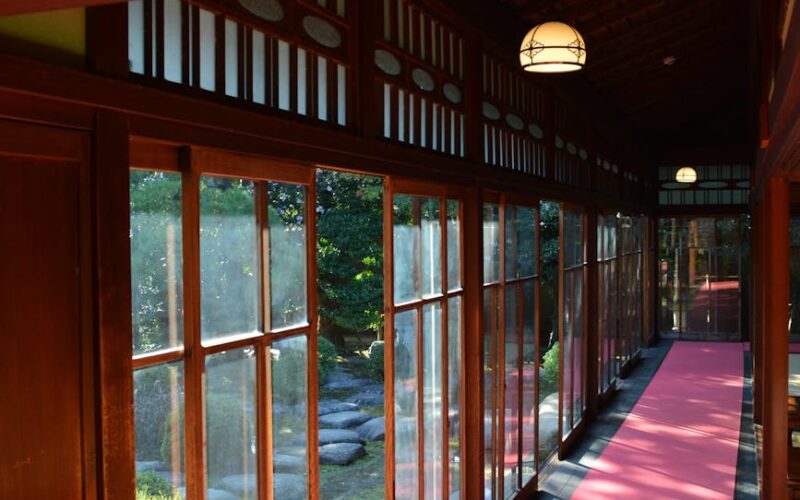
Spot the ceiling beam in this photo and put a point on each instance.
(539, 9)
(13, 7)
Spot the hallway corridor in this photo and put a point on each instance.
(675, 429)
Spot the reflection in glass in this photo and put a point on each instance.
(406, 249)
(406, 385)
(509, 426)
(228, 257)
(287, 255)
(433, 415)
(529, 379)
(431, 251)
(549, 346)
(521, 258)
(491, 243)
(453, 245)
(289, 390)
(490, 317)
(158, 423)
(454, 392)
(231, 422)
(156, 261)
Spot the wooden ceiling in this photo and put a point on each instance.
(705, 91)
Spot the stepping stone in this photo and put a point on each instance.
(367, 399)
(340, 453)
(289, 486)
(344, 419)
(148, 465)
(373, 430)
(238, 484)
(289, 463)
(330, 436)
(211, 494)
(327, 406)
(348, 383)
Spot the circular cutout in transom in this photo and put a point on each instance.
(322, 32)
(490, 111)
(268, 10)
(387, 62)
(515, 121)
(423, 79)
(452, 93)
(536, 131)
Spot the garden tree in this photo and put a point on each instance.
(350, 255)
(549, 238)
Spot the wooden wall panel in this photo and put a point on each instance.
(40, 330)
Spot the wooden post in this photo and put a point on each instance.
(111, 195)
(473, 354)
(775, 266)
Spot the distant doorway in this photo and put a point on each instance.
(701, 277)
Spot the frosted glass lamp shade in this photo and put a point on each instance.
(552, 47)
(686, 175)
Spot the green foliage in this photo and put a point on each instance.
(375, 361)
(350, 253)
(326, 358)
(288, 374)
(151, 486)
(152, 403)
(551, 370)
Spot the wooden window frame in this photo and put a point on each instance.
(444, 193)
(192, 163)
(499, 289)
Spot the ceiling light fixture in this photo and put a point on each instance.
(552, 47)
(686, 175)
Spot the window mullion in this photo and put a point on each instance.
(263, 358)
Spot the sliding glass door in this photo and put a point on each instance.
(424, 333)
(573, 318)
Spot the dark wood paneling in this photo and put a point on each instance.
(41, 443)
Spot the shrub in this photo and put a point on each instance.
(551, 365)
(375, 362)
(151, 399)
(226, 450)
(152, 486)
(326, 358)
(288, 374)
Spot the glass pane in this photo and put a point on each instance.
(453, 245)
(490, 317)
(287, 255)
(158, 425)
(228, 257)
(549, 346)
(431, 247)
(289, 419)
(520, 242)
(433, 413)
(231, 423)
(491, 243)
(511, 415)
(406, 385)
(577, 353)
(350, 342)
(566, 395)
(529, 381)
(406, 249)
(454, 393)
(156, 261)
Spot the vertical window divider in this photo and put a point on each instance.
(561, 330)
(445, 404)
(194, 408)
(312, 389)
(388, 328)
(420, 340)
(501, 351)
(537, 333)
(263, 353)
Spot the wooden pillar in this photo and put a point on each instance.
(473, 353)
(756, 308)
(775, 268)
(112, 223)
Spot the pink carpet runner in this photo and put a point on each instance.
(681, 439)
